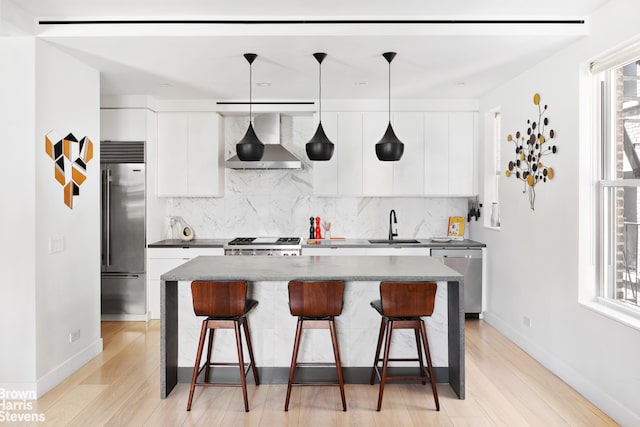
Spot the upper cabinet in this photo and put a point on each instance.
(342, 175)
(408, 172)
(377, 176)
(123, 124)
(190, 155)
(450, 148)
(438, 158)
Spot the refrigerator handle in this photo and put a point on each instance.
(107, 216)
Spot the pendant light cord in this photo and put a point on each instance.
(320, 93)
(250, 90)
(389, 91)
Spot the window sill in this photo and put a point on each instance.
(614, 311)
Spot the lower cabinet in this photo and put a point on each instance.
(161, 260)
(370, 251)
(399, 251)
(333, 251)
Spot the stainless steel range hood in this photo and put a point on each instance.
(267, 127)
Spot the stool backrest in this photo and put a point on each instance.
(219, 299)
(408, 299)
(316, 299)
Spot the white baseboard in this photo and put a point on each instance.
(621, 414)
(68, 367)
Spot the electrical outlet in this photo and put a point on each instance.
(527, 321)
(56, 244)
(74, 335)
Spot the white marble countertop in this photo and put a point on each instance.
(348, 268)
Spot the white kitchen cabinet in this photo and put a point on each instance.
(161, 260)
(333, 251)
(377, 176)
(450, 150)
(398, 251)
(366, 250)
(189, 155)
(408, 172)
(462, 152)
(439, 155)
(350, 179)
(123, 124)
(342, 175)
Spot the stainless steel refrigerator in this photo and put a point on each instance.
(123, 235)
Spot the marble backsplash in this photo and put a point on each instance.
(280, 202)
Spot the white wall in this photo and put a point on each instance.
(17, 215)
(67, 282)
(537, 259)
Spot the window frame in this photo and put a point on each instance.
(603, 298)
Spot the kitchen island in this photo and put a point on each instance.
(272, 326)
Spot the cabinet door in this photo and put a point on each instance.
(325, 174)
(203, 156)
(172, 154)
(462, 132)
(408, 172)
(350, 154)
(123, 124)
(399, 251)
(333, 251)
(377, 175)
(436, 153)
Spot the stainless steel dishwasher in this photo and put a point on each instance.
(467, 262)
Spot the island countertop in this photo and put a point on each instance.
(268, 276)
(347, 268)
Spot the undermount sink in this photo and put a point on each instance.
(394, 241)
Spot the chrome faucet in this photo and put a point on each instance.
(392, 220)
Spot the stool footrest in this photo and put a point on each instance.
(321, 383)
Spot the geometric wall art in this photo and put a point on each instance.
(70, 158)
(530, 149)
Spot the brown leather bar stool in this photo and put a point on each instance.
(226, 306)
(315, 304)
(402, 304)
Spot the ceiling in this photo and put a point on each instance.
(204, 60)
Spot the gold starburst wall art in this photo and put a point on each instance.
(530, 149)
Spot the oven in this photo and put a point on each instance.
(263, 246)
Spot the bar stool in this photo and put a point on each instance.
(315, 304)
(226, 306)
(401, 305)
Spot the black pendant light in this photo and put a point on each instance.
(389, 148)
(319, 148)
(250, 148)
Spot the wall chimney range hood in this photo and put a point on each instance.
(267, 127)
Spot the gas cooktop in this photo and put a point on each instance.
(265, 241)
(266, 246)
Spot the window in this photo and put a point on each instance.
(619, 183)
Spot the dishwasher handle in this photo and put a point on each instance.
(457, 253)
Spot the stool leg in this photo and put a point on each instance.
(209, 346)
(247, 337)
(385, 363)
(336, 355)
(196, 367)
(243, 379)
(423, 372)
(294, 361)
(423, 330)
(378, 347)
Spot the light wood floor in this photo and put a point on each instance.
(505, 387)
